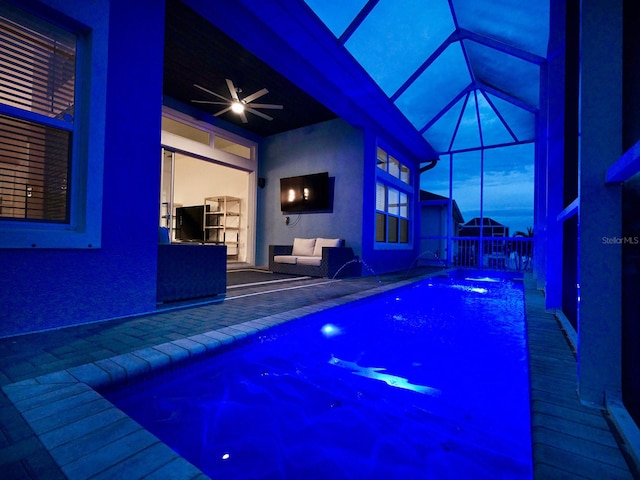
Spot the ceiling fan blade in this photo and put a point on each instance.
(232, 90)
(267, 105)
(255, 96)
(243, 116)
(209, 102)
(211, 92)
(256, 112)
(224, 110)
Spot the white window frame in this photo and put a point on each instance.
(401, 184)
(90, 22)
(208, 152)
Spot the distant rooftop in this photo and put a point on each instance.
(429, 196)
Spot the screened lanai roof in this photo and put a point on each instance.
(465, 73)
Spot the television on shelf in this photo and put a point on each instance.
(305, 193)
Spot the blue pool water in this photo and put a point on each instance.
(426, 382)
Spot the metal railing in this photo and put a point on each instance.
(501, 253)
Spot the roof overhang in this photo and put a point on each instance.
(291, 40)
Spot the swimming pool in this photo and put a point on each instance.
(428, 381)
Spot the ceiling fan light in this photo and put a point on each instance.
(237, 107)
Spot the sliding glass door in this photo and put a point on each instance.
(208, 187)
(205, 202)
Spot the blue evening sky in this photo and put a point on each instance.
(466, 79)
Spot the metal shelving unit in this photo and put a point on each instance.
(222, 223)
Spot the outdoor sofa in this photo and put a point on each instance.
(315, 257)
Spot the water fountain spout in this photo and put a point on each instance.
(434, 256)
(351, 262)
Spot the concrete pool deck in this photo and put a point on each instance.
(53, 424)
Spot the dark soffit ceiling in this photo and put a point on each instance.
(196, 52)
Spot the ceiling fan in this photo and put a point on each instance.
(237, 104)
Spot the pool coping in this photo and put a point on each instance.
(87, 436)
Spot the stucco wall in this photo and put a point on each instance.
(333, 147)
(349, 155)
(48, 288)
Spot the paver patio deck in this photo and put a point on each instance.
(569, 440)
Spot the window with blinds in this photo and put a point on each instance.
(37, 90)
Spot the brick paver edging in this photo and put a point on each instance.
(87, 436)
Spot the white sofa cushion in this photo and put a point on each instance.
(303, 247)
(290, 259)
(324, 242)
(315, 261)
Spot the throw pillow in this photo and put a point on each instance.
(324, 242)
(303, 247)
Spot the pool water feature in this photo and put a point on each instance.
(426, 382)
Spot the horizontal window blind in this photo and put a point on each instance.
(37, 65)
(34, 165)
(37, 75)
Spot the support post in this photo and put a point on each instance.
(599, 259)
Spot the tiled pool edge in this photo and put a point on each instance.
(86, 435)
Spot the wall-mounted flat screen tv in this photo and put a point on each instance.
(306, 193)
